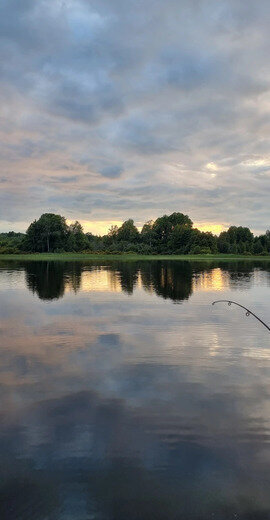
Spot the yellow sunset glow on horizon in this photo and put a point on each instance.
(98, 227)
(216, 229)
(101, 227)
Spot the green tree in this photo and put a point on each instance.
(236, 239)
(258, 247)
(128, 232)
(47, 233)
(265, 241)
(33, 240)
(76, 240)
(180, 239)
(233, 248)
(147, 233)
(241, 248)
(112, 233)
(164, 226)
(110, 239)
(223, 242)
(203, 242)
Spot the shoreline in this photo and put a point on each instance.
(126, 257)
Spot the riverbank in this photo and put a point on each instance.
(125, 257)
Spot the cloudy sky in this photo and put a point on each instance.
(116, 109)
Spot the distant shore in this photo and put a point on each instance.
(126, 257)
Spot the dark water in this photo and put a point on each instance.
(126, 396)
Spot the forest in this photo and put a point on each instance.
(169, 234)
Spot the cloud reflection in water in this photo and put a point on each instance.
(119, 404)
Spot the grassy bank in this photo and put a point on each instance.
(126, 257)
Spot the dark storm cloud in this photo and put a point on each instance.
(169, 98)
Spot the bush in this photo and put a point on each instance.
(9, 250)
(206, 251)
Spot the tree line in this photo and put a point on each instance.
(169, 234)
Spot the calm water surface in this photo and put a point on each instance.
(126, 396)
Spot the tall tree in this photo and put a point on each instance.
(48, 232)
(76, 239)
(164, 226)
(147, 233)
(128, 232)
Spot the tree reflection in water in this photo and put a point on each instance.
(50, 280)
(170, 279)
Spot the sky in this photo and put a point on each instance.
(116, 109)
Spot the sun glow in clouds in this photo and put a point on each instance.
(212, 167)
(216, 229)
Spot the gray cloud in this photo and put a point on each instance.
(145, 95)
(112, 171)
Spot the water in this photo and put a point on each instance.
(126, 396)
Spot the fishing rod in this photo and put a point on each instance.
(248, 312)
